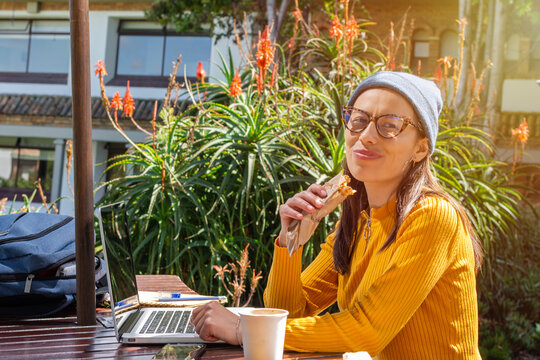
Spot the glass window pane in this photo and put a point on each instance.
(34, 164)
(140, 25)
(49, 54)
(8, 141)
(193, 50)
(421, 49)
(35, 142)
(140, 55)
(57, 26)
(14, 50)
(6, 167)
(15, 26)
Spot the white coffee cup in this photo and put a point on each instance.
(263, 333)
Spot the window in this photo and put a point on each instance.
(146, 52)
(34, 51)
(449, 44)
(114, 150)
(421, 44)
(22, 162)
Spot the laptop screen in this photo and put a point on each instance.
(120, 264)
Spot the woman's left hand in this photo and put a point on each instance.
(213, 322)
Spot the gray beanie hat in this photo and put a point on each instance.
(424, 96)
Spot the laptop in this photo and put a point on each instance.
(133, 323)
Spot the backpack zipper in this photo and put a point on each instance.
(23, 276)
(38, 235)
(28, 283)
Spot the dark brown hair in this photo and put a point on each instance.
(417, 183)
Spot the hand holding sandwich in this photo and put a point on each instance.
(306, 201)
(301, 214)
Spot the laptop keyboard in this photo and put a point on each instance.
(130, 322)
(168, 322)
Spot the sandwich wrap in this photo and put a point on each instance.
(300, 231)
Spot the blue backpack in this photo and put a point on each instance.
(37, 264)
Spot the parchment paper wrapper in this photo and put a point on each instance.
(300, 231)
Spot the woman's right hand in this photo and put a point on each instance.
(307, 200)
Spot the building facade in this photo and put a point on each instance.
(35, 87)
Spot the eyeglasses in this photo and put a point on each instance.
(387, 125)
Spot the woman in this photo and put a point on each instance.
(402, 261)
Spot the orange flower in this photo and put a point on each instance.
(264, 56)
(201, 74)
(100, 68)
(290, 43)
(265, 52)
(336, 30)
(220, 271)
(447, 63)
(235, 89)
(116, 103)
(297, 14)
(521, 132)
(129, 103)
(351, 32)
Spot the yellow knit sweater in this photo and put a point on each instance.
(414, 300)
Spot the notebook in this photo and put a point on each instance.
(134, 323)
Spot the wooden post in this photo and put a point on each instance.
(83, 165)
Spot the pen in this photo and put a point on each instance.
(194, 298)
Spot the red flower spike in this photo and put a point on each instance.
(265, 52)
(351, 32)
(290, 44)
(297, 14)
(100, 68)
(201, 74)
(129, 103)
(336, 30)
(235, 89)
(264, 56)
(116, 102)
(521, 133)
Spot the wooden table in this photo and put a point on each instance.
(61, 338)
